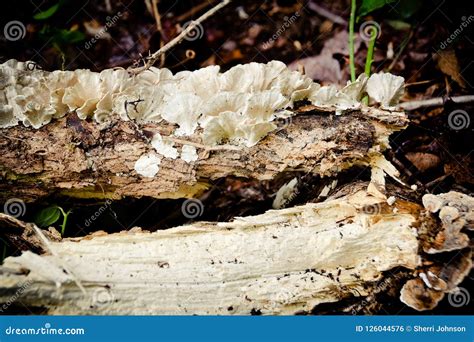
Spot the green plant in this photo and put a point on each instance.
(50, 11)
(59, 38)
(351, 41)
(367, 6)
(50, 215)
(404, 9)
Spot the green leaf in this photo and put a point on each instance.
(48, 13)
(47, 216)
(68, 36)
(368, 6)
(399, 25)
(406, 8)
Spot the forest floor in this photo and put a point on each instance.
(428, 42)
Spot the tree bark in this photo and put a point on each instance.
(86, 160)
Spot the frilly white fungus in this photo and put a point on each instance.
(386, 89)
(189, 153)
(164, 147)
(238, 106)
(148, 165)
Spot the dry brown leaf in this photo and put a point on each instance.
(423, 161)
(449, 65)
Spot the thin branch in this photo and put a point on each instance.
(327, 14)
(159, 28)
(437, 101)
(194, 11)
(193, 24)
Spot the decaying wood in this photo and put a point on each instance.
(83, 159)
(281, 262)
(456, 218)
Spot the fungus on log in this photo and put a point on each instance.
(110, 134)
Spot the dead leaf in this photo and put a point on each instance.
(423, 161)
(449, 65)
(324, 67)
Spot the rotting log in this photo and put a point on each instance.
(84, 159)
(281, 262)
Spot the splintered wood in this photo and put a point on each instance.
(281, 262)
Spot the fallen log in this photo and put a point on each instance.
(112, 135)
(76, 158)
(281, 262)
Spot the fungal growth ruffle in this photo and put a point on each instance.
(240, 106)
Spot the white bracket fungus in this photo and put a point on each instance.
(237, 107)
(148, 165)
(189, 153)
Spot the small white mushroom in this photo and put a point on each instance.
(188, 153)
(182, 110)
(386, 89)
(148, 165)
(164, 147)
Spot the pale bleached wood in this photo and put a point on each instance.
(281, 262)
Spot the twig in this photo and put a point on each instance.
(351, 41)
(194, 10)
(193, 24)
(204, 147)
(437, 101)
(159, 28)
(327, 14)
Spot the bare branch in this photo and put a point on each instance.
(154, 57)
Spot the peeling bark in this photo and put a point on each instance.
(87, 160)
